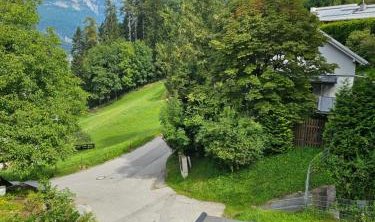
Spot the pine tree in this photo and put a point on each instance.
(350, 138)
(78, 51)
(90, 33)
(109, 29)
(134, 19)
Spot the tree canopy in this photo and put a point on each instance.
(255, 58)
(40, 98)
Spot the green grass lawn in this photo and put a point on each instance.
(115, 129)
(118, 127)
(242, 191)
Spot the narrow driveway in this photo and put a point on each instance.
(131, 188)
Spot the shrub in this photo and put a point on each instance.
(341, 30)
(49, 204)
(350, 138)
(173, 128)
(363, 43)
(233, 140)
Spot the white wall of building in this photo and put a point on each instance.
(346, 67)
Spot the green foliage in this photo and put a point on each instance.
(109, 30)
(342, 29)
(235, 141)
(49, 204)
(243, 191)
(253, 64)
(116, 67)
(363, 43)
(40, 99)
(78, 51)
(172, 121)
(117, 128)
(143, 62)
(90, 33)
(356, 213)
(350, 139)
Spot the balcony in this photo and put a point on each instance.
(325, 104)
(325, 79)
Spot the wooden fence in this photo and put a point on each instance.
(309, 133)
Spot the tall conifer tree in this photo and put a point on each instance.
(109, 29)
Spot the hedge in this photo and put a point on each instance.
(341, 30)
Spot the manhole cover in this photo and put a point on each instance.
(100, 178)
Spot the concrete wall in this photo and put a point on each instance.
(346, 67)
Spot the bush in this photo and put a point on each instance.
(341, 30)
(363, 43)
(233, 140)
(278, 128)
(49, 204)
(173, 128)
(350, 138)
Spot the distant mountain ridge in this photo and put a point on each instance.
(66, 15)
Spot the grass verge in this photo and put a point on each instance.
(118, 128)
(115, 129)
(248, 188)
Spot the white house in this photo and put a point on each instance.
(326, 86)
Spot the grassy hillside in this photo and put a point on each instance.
(118, 127)
(242, 191)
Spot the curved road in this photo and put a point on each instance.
(131, 188)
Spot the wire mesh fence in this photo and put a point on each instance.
(324, 198)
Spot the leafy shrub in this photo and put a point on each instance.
(236, 141)
(144, 68)
(350, 138)
(50, 204)
(363, 43)
(173, 128)
(279, 132)
(354, 212)
(341, 30)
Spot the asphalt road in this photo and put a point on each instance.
(131, 188)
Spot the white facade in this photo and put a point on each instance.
(345, 71)
(328, 85)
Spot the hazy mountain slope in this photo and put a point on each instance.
(66, 15)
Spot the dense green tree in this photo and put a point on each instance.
(133, 23)
(40, 99)
(363, 43)
(233, 140)
(90, 33)
(77, 52)
(143, 64)
(350, 141)
(349, 137)
(109, 29)
(257, 58)
(266, 55)
(116, 67)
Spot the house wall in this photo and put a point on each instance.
(346, 67)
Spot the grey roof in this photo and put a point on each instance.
(344, 12)
(345, 50)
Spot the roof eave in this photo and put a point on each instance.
(345, 50)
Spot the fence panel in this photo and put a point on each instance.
(309, 133)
